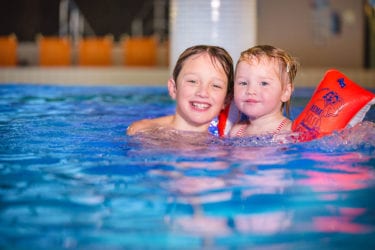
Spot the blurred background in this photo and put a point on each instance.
(66, 41)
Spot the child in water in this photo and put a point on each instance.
(201, 84)
(262, 88)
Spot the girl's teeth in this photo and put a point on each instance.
(200, 105)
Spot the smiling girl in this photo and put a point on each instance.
(201, 84)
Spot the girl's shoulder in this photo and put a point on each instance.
(146, 124)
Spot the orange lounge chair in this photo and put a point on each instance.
(95, 51)
(54, 51)
(8, 50)
(139, 51)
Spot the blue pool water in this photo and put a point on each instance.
(71, 179)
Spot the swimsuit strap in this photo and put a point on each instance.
(281, 125)
(241, 131)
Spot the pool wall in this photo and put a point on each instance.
(120, 75)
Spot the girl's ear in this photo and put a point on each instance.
(172, 88)
(287, 92)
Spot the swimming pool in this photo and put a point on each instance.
(71, 179)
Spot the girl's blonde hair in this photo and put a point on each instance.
(288, 64)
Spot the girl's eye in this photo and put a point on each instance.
(243, 83)
(191, 81)
(264, 83)
(216, 85)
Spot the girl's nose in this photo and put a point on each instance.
(202, 90)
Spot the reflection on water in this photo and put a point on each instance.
(71, 179)
(225, 189)
(338, 173)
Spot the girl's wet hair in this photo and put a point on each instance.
(217, 54)
(288, 64)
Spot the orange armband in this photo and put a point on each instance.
(337, 103)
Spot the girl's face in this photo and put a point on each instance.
(258, 88)
(199, 92)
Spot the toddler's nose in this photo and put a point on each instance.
(250, 90)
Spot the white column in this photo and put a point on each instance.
(230, 24)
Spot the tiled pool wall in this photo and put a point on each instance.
(117, 75)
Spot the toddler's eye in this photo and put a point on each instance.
(263, 83)
(191, 81)
(243, 83)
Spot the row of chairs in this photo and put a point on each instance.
(91, 51)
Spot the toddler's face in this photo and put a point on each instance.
(258, 88)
